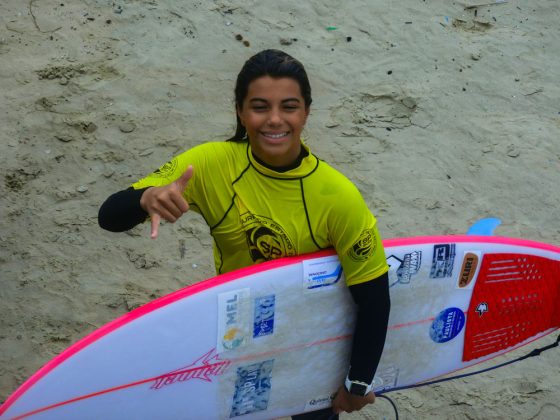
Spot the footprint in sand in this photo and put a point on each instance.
(472, 25)
(389, 111)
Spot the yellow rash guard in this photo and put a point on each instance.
(256, 214)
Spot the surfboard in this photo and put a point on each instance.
(273, 339)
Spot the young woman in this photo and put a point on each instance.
(264, 195)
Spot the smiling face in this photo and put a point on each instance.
(274, 113)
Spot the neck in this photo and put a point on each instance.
(302, 155)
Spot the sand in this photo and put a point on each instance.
(441, 114)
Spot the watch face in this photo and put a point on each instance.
(358, 389)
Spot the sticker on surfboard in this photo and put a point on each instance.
(402, 270)
(482, 308)
(386, 378)
(263, 318)
(469, 269)
(442, 261)
(252, 388)
(447, 325)
(321, 273)
(318, 403)
(233, 319)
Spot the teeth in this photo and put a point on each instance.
(275, 136)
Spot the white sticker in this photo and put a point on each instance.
(386, 378)
(233, 319)
(321, 273)
(318, 403)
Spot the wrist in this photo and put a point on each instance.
(357, 388)
(144, 198)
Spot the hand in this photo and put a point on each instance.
(346, 402)
(166, 202)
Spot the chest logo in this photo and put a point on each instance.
(267, 240)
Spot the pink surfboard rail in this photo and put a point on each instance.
(244, 272)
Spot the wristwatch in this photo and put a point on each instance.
(357, 388)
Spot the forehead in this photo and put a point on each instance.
(271, 88)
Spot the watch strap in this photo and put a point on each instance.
(357, 387)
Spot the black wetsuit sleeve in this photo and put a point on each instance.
(122, 211)
(374, 304)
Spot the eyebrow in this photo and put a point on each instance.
(283, 100)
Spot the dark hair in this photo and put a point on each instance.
(273, 63)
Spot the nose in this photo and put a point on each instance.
(274, 118)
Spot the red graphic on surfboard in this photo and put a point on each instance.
(202, 368)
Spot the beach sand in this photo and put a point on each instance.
(440, 114)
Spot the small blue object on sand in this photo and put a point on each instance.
(484, 227)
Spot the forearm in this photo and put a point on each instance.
(374, 305)
(122, 211)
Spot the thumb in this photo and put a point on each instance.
(156, 218)
(183, 180)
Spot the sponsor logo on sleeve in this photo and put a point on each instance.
(167, 170)
(442, 261)
(468, 269)
(364, 247)
(233, 316)
(263, 321)
(252, 388)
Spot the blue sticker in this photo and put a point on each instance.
(263, 321)
(447, 325)
(442, 261)
(252, 388)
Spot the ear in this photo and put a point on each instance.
(307, 111)
(240, 116)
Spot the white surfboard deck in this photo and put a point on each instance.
(274, 339)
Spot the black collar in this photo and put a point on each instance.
(302, 155)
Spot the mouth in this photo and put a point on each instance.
(275, 136)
